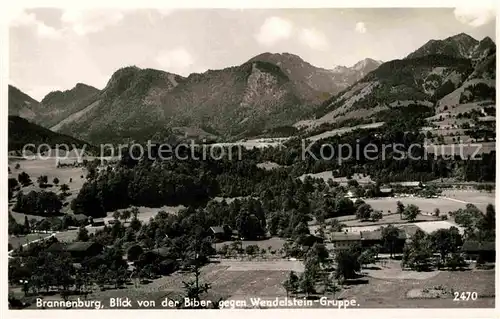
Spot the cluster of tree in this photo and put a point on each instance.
(478, 226)
(445, 89)
(24, 179)
(15, 228)
(409, 212)
(38, 203)
(365, 212)
(12, 186)
(486, 187)
(477, 92)
(418, 254)
(41, 269)
(394, 166)
(53, 223)
(194, 182)
(235, 248)
(317, 264)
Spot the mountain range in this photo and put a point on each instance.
(269, 90)
(429, 77)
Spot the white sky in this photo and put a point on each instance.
(53, 49)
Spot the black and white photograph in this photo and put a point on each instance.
(250, 158)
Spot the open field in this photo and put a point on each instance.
(392, 293)
(391, 269)
(38, 167)
(274, 265)
(388, 219)
(479, 198)
(430, 227)
(224, 283)
(146, 213)
(426, 205)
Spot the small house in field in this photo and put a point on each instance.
(484, 251)
(221, 233)
(97, 222)
(80, 250)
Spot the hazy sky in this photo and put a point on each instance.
(53, 49)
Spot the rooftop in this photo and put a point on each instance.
(217, 229)
(80, 245)
(344, 236)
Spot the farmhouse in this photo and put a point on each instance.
(484, 251)
(80, 250)
(98, 222)
(366, 239)
(221, 233)
(344, 240)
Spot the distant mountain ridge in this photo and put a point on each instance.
(425, 77)
(350, 75)
(314, 82)
(268, 90)
(458, 46)
(21, 104)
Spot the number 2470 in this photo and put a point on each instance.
(466, 295)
